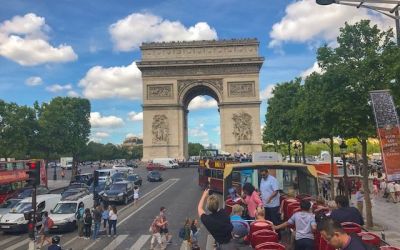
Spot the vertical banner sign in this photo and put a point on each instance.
(387, 123)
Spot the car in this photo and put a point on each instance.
(103, 173)
(8, 205)
(64, 213)
(101, 187)
(74, 192)
(77, 185)
(83, 178)
(119, 192)
(154, 176)
(15, 220)
(28, 191)
(135, 178)
(154, 166)
(166, 162)
(122, 168)
(132, 165)
(119, 176)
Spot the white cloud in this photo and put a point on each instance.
(114, 82)
(98, 121)
(217, 129)
(23, 39)
(201, 102)
(55, 88)
(101, 135)
(306, 21)
(133, 135)
(130, 32)
(34, 81)
(266, 93)
(198, 132)
(309, 71)
(133, 116)
(72, 93)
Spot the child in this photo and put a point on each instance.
(195, 232)
(87, 221)
(135, 195)
(104, 216)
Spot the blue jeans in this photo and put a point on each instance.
(112, 224)
(96, 229)
(304, 244)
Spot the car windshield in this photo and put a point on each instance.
(70, 192)
(105, 173)
(118, 187)
(155, 174)
(133, 177)
(25, 193)
(10, 203)
(77, 185)
(22, 207)
(65, 208)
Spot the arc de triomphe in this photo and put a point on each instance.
(176, 72)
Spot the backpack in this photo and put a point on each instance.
(182, 233)
(88, 219)
(50, 223)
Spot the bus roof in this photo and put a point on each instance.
(270, 165)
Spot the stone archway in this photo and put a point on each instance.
(176, 72)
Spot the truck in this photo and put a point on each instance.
(66, 162)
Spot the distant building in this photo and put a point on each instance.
(131, 142)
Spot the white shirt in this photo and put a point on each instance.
(112, 216)
(397, 187)
(136, 193)
(267, 187)
(390, 187)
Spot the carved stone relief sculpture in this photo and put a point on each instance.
(242, 126)
(159, 91)
(241, 89)
(160, 129)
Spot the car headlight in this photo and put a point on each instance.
(120, 194)
(20, 220)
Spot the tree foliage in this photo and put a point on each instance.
(194, 148)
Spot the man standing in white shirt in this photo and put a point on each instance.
(269, 188)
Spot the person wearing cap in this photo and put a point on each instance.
(55, 241)
(240, 228)
(305, 224)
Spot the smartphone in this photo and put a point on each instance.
(210, 192)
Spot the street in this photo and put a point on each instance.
(179, 193)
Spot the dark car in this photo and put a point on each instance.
(132, 165)
(28, 191)
(83, 178)
(74, 192)
(154, 176)
(101, 187)
(119, 192)
(119, 176)
(136, 179)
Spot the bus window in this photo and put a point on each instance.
(219, 174)
(287, 179)
(235, 176)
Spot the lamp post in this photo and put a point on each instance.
(343, 150)
(296, 152)
(388, 8)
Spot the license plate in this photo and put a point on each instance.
(5, 226)
(112, 199)
(55, 226)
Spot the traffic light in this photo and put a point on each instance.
(33, 172)
(96, 178)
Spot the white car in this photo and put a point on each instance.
(14, 221)
(64, 212)
(122, 168)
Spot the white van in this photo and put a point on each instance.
(64, 212)
(14, 221)
(104, 172)
(166, 162)
(122, 168)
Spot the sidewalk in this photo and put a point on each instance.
(386, 215)
(58, 184)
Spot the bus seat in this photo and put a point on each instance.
(291, 208)
(263, 235)
(370, 238)
(259, 225)
(286, 209)
(270, 246)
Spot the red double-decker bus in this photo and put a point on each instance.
(13, 176)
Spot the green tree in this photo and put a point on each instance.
(360, 59)
(194, 148)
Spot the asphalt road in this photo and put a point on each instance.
(179, 193)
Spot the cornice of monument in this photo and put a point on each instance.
(145, 64)
(199, 43)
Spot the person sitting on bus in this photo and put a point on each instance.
(336, 237)
(305, 224)
(233, 194)
(240, 227)
(345, 213)
(252, 199)
(217, 222)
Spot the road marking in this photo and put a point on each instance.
(114, 244)
(140, 242)
(148, 193)
(145, 204)
(3, 242)
(17, 245)
(210, 242)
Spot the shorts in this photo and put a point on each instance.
(46, 233)
(163, 230)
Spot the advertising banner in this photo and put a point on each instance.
(388, 129)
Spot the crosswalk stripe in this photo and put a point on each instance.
(140, 242)
(17, 245)
(210, 242)
(3, 242)
(114, 244)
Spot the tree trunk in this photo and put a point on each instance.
(332, 165)
(290, 154)
(303, 152)
(368, 207)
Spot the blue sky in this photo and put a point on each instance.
(89, 48)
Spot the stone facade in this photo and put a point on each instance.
(176, 72)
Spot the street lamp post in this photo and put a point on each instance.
(388, 8)
(296, 152)
(343, 150)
